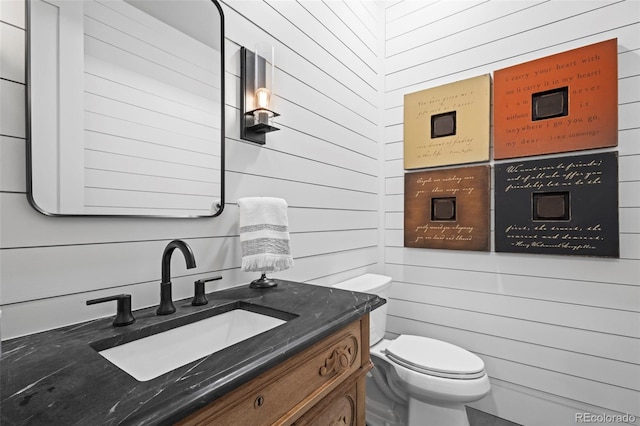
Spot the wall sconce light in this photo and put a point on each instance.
(257, 70)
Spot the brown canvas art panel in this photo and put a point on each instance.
(447, 208)
(560, 103)
(448, 124)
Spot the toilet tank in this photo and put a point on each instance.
(378, 285)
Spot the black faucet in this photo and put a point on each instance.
(166, 303)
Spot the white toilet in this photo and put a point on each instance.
(416, 380)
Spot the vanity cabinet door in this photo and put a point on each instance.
(342, 407)
(283, 393)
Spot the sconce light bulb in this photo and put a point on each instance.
(263, 98)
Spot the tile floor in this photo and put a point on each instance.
(480, 418)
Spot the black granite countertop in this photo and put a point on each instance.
(57, 378)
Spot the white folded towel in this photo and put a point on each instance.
(264, 234)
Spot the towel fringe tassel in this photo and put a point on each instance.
(266, 263)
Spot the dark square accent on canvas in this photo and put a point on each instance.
(550, 104)
(564, 205)
(443, 124)
(550, 206)
(443, 208)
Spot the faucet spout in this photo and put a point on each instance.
(166, 302)
(166, 258)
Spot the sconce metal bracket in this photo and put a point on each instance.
(249, 129)
(260, 129)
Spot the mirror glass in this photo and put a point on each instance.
(126, 107)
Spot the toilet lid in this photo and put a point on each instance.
(435, 357)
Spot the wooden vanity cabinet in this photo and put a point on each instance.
(322, 385)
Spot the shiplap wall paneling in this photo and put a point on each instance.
(212, 253)
(324, 162)
(518, 37)
(342, 101)
(12, 121)
(328, 118)
(559, 335)
(12, 43)
(12, 87)
(12, 103)
(70, 308)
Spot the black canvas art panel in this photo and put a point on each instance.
(562, 205)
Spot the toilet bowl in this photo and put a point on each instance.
(416, 380)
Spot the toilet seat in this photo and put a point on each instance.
(435, 358)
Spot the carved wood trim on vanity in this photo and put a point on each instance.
(341, 358)
(322, 385)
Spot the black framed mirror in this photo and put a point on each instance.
(125, 107)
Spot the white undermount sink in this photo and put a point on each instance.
(152, 356)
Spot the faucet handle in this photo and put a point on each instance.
(198, 289)
(123, 314)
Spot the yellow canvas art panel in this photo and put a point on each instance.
(448, 124)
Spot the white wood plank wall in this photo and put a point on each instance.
(559, 335)
(325, 162)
